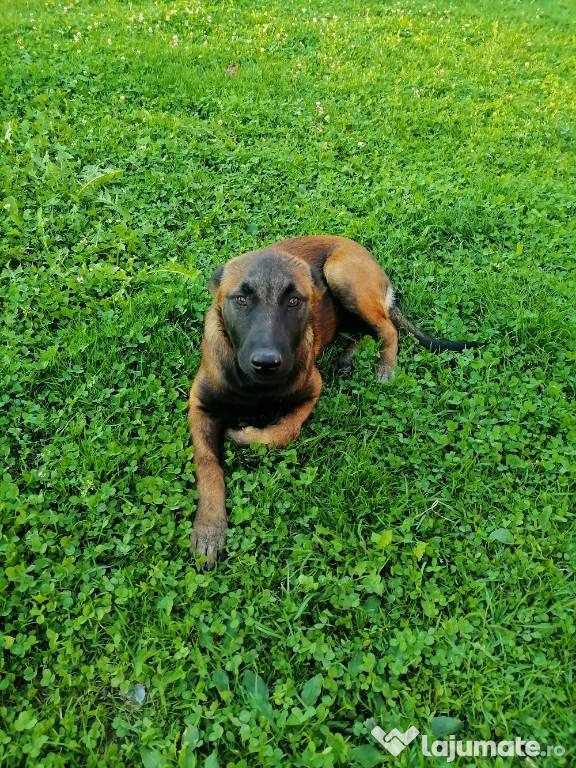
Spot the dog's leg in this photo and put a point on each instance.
(209, 531)
(358, 282)
(287, 428)
(388, 332)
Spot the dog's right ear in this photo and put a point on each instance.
(214, 283)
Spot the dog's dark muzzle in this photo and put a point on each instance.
(264, 344)
(266, 365)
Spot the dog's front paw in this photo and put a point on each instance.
(207, 540)
(244, 435)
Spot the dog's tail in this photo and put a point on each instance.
(436, 345)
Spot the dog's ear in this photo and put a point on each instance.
(316, 277)
(214, 283)
(318, 283)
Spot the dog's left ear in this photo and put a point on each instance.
(214, 283)
(317, 282)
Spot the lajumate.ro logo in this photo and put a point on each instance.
(395, 742)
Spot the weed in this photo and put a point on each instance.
(411, 557)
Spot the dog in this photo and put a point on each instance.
(274, 310)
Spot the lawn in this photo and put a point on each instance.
(410, 560)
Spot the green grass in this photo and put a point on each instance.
(412, 556)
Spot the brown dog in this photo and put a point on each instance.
(274, 310)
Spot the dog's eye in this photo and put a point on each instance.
(294, 301)
(241, 301)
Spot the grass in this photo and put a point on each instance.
(410, 559)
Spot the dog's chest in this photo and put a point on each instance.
(255, 412)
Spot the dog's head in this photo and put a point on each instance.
(265, 301)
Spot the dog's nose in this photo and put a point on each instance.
(264, 360)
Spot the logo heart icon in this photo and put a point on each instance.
(395, 741)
